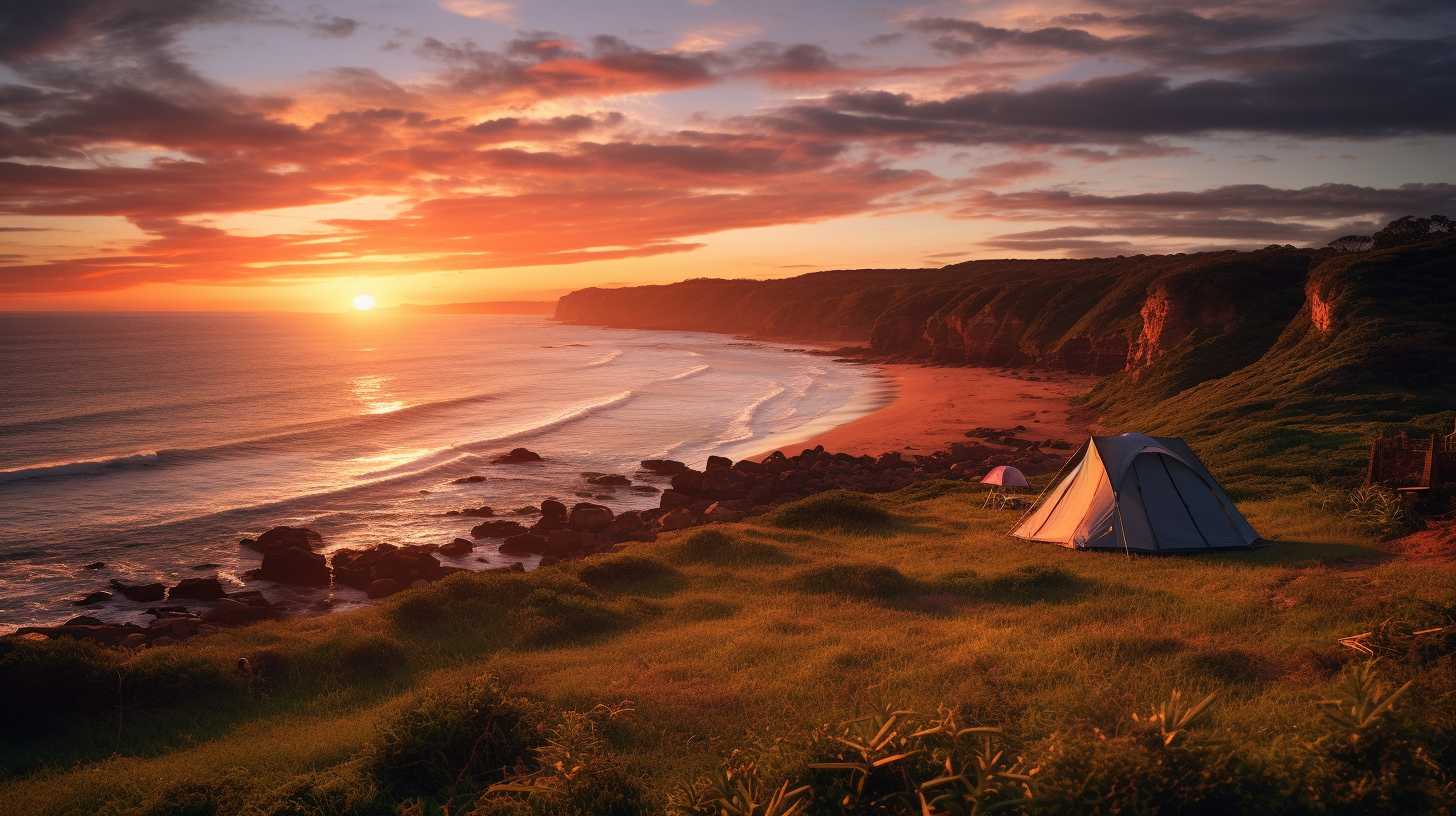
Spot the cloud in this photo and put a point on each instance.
(493, 10)
(337, 27)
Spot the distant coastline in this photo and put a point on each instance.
(502, 307)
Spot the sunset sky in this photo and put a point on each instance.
(272, 154)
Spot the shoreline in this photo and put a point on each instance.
(927, 407)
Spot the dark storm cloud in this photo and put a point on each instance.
(1347, 89)
(34, 28)
(1323, 201)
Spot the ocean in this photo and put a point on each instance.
(153, 442)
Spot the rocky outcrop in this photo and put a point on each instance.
(517, 456)
(386, 569)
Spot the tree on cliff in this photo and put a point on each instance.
(1411, 229)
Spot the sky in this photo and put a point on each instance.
(291, 154)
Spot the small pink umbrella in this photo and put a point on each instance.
(1005, 476)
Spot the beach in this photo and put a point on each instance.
(932, 406)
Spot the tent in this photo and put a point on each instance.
(1137, 493)
(1005, 476)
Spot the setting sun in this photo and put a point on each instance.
(363, 303)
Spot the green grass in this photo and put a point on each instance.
(720, 638)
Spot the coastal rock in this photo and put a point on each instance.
(84, 620)
(293, 565)
(552, 508)
(458, 547)
(100, 596)
(141, 593)
(718, 463)
(720, 512)
(629, 526)
(590, 518)
(95, 565)
(230, 612)
(496, 529)
(473, 512)
(382, 588)
(283, 537)
(524, 544)
(525, 511)
(404, 565)
(198, 589)
(609, 480)
(679, 519)
(518, 456)
(663, 467)
(465, 480)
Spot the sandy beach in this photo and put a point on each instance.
(933, 406)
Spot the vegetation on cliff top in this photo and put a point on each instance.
(746, 646)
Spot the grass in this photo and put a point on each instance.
(721, 638)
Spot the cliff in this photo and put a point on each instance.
(1279, 363)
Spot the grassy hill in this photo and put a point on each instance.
(750, 644)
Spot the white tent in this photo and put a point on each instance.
(1140, 494)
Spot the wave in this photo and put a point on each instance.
(742, 426)
(309, 434)
(692, 372)
(604, 359)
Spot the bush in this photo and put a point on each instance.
(627, 573)
(719, 548)
(837, 510)
(1382, 511)
(451, 743)
(42, 683)
(574, 774)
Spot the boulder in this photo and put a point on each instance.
(678, 519)
(525, 511)
(173, 628)
(229, 612)
(524, 544)
(84, 620)
(458, 547)
(609, 480)
(198, 589)
(552, 508)
(565, 543)
(465, 480)
(628, 526)
(100, 596)
(477, 512)
(382, 588)
(141, 593)
(283, 537)
(404, 565)
(170, 612)
(292, 565)
(496, 529)
(590, 518)
(719, 463)
(672, 500)
(518, 456)
(95, 565)
(663, 467)
(717, 511)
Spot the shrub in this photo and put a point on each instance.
(1381, 510)
(169, 676)
(719, 548)
(836, 510)
(452, 742)
(574, 773)
(627, 573)
(43, 682)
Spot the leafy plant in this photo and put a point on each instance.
(1365, 700)
(1382, 510)
(1171, 719)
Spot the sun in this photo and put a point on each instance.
(363, 302)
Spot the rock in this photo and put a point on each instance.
(94, 598)
(95, 565)
(496, 529)
(84, 620)
(252, 597)
(688, 481)
(524, 544)
(135, 640)
(198, 589)
(678, 519)
(525, 511)
(719, 463)
(629, 526)
(552, 508)
(564, 543)
(663, 467)
(382, 588)
(404, 565)
(458, 547)
(477, 512)
(672, 500)
(718, 512)
(590, 518)
(170, 612)
(463, 480)
(292, 565)
(283, 537)
(229, 612)
(141, 593)
(518, 456)
(646, 489)
(609, 480)
(202, 567)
